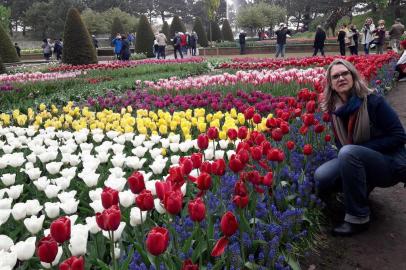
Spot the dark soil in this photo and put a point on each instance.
(383, 246)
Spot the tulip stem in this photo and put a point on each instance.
(241, 238)
(113, 258)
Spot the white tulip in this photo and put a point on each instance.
(158, 166)
(208, 154)
(70, 206)
(150, 185)
(117, 233)
(51, 191)
(67, 196)
(174, 138)
(115, 183)
(78, 240)
(42, 183)
(155, 152)
(185, 146)
(57, 258)
(92, 225)
(2, 192)
(117, 172)
(33, 207)
(126, 198)
(174, 147)
(8, 259)
(69, 172)
(97, 131)
(62, 182)
(54, 167)
(98, 137)
(118, 160)
(219, 154)
(165, 143)
(194, 173)
(90, 163)
(139, 151)
(32, 158)
(24, 249)
(112, 134)
(4, 215)
(148, 144)
(117, 252)
(74, 160)
(183, 189)
(95, 194)
(128, 136)
(30, 131)
(8, 179)
(45, 157)
(3, 162)
(103, 157)
(175, 159)
(159, 207)
(120, 140)
(224, 144)
(8, 149)
(5, 242)
(89, 177)
(80, 137)
(97, 206)
(52, 209)
(14, 192)
(138, 140)
(34, 224)
(86, 147)
(135, 163)
(5, 203)
(230, 153)
(33, 173)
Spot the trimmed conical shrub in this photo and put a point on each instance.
(77, 45)
(226, 30)
(2, 67)
(7, 50)
(165, 29)
(116, 27)
(201, 34)
(216, 35)
(176, 26)
(145, 37)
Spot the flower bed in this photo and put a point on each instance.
(37, 76)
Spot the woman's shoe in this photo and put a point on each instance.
(348, 229)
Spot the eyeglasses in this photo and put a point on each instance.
(342, 74)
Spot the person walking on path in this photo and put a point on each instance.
(241, 40)
(161, 39)
(319, 40)
(46, 49)
(125, 52)
(395, 33)
(371, 142)
(342, 38)
(18, 49)
(117, 44)
(367, 34)
(177, 47)
(353, 36)
(281, 35)
(193, 43)
(58, 49)
(379, 39)
(95, 42)
(131, 38)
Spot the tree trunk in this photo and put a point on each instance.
(163, 16)
(24, 30)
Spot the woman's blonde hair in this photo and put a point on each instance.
(330, 96)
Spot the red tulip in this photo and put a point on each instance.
(257, 118)
(136, 182)
(242, 132)
(256, 152)
(307, 149)
(249, 113)
(202, 141)
(218, 167)
(232, 134)
(109, 219)
(290, 145)
(308, 119)
(173, 201)
(73, 263)
(327, 138)
(267, 180)
(204, 181)
(188, 265)
(187, 165)
(197, 210)
(235, 164)
(259, 139)
(228, 224)
(318, 128)
(145, 200)
(109, 197)
(206, 167)
(220, 247)
(326, 117)
(254, 177)
(271, 123)
(162, 188)
(212, 133)
(244, 156)
(60, 229)
(285, 128)
(47, 249)
(277, 134)
(176, 177)
(241, 201)
(157, 241)
(311, 106)
(196, 159)
(303, 130)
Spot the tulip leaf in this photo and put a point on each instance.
(290, 198)
(293, 263)
(127, 261)
(141, 251)
(198, 251)
(253, 266)
(188, 242)
(102, 265)
(244, 224)
(219, 264)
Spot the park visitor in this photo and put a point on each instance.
(367, 34)
(131, 38)
(281, 35)
(241, 40)
(343, 39)
(193, 43)
(353, 36)
(155, 48)
(319, 40)
(379, 36)
(395, 33)
(46, 49)
(58, 49)
(371, 143)
(95, 41)
(125, 49)
(117, 44)
(18, 49)
(161, 39)
(177, 47)
(401, 64)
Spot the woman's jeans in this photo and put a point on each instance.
(280, 49)
(356, 171)
(366, 48)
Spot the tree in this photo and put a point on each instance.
(212, 7)
(201, 34)
(145, 37)
(165, 29)
(260, 16)
(2, 67)
(176, 26)
(7, 51)
(226, 31)
(216, 35)
(5, 17)
(18, 8)
(116, 27)
(78, 47)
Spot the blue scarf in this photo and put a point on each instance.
(352, 105)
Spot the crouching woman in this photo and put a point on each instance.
(371, 143)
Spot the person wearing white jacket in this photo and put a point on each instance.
(367, 34)
(401, 64)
